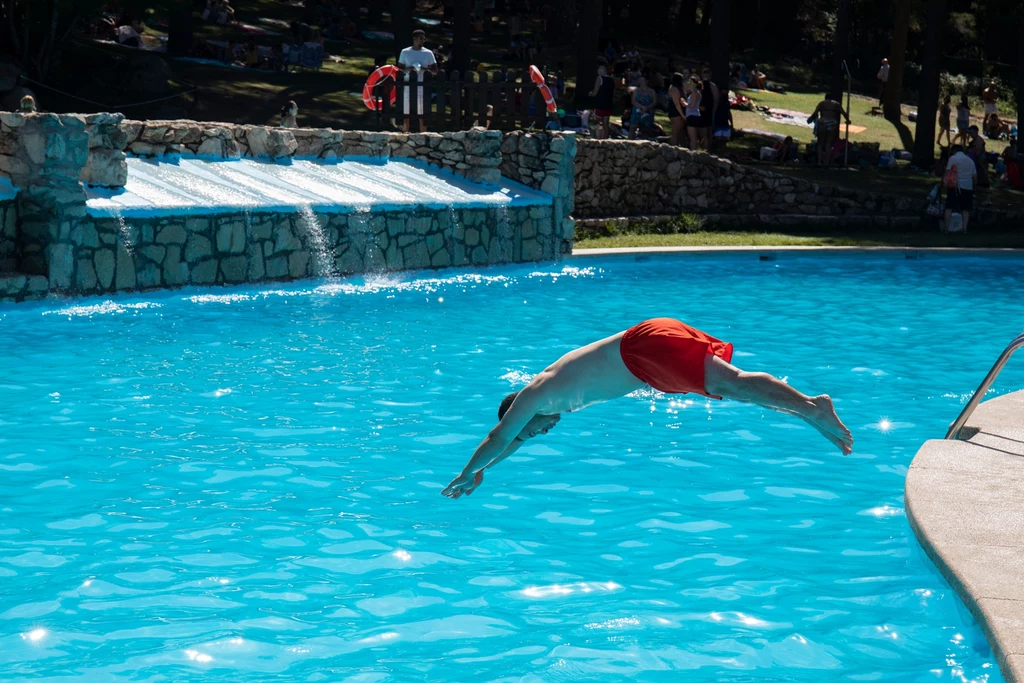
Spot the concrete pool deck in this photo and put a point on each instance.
(965, 503)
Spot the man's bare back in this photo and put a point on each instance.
(588, 375)
(599, 372)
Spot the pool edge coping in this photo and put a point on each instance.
(955, 503)
(625, 251)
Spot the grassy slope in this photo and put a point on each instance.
(733, 239)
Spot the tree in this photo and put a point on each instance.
(586, 50)
(37, 30)
(563, 21)
(720, 41)
(840, 50)
(1020, 83)
(928, 98)
(401, 24)
(463, 36)
(179, 28)
(898, 57)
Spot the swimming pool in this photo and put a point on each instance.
(243, 484)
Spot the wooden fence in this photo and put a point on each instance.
(449, 102)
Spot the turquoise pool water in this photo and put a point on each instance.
(243, 484)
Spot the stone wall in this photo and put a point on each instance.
(474, 154)
(633, 178)
(544, 162)
(111, 254)
(8, 236)
(48, 157)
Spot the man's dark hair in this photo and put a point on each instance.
(506, 403)
(419, 33)
(955, 149)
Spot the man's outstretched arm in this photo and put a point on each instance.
(493, 448)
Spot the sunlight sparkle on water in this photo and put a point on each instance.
(35, 635)
(196, 656)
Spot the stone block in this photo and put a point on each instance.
(125, 276)
(261, 230)
(204, 272)
(83, 234)
(435, 243)
(298, 264)
(106, 168)
(234, 268)
(37, 284)
(285, 239)
(255, 256)
(197, 224)
(104, 262)
(175, 270)
(213, 147)
(154, 253)
(62, 265)
(441, 259)
(531, 250)
(171, 234)
(148, 276)
(231, 238)
(197, 248)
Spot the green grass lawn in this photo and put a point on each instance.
(766, 239)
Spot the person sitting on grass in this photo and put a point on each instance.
(130, 35)
(785, 150)
(643, 102)
(758, 79)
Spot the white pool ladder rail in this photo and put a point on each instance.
(954, 429)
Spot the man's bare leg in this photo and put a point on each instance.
(728, 381)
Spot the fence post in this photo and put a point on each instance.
(456, 112)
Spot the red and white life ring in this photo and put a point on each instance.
(386, 71)
(537, 77)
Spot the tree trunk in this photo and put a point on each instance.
(898, 54)
(179, 28)
(686, 19)
(928, 99)
(463, 36)
(401, 24)
(705, 21)
(586, 50)
(563, 21)
(1020, 87)
(840, 51)
(720, 41)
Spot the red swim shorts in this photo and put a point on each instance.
(670, 355)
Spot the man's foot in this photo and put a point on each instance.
(823, 418)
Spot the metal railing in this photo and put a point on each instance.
(954, 429)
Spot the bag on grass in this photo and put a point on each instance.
(956, 222)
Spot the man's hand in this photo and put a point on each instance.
(463, 484)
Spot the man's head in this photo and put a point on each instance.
(973, 130)
(956, 149)
(419, 36)
(539, 424)
(884, 60)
